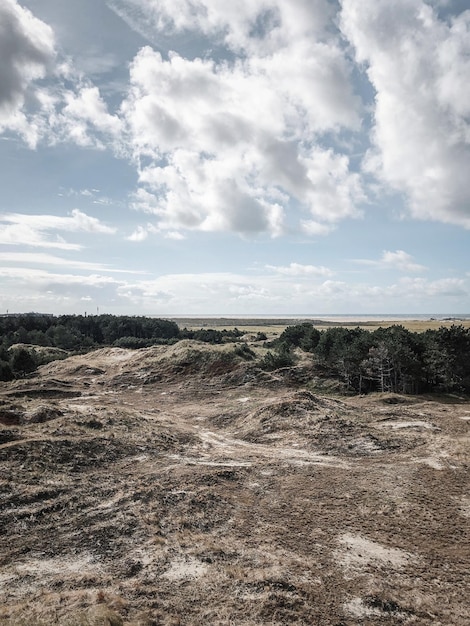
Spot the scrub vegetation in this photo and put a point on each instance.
(186, 484)
(389, 358)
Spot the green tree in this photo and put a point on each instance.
(22, 362)
(304, 336)
(281, 357)
(405, 356)
(6, 373)
(447, 358)
(378, 366)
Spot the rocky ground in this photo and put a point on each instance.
(182, 485)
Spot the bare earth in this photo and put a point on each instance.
(181, 485)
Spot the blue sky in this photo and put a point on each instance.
(196, 157)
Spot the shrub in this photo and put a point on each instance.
(23, 362)
(244, 351)
(282, 357)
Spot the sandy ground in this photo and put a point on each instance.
(180, 486)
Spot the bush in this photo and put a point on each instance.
(132, 342)
(304, 336)
(6, 373)
(23, 362)
(282, 357)
(245, 352)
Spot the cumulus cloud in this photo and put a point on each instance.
(38, 289)
(259, 130)
(139, 234)
(35, 230)
(85, 118)
(232, 145)
(174, 235)
(419, 66)
(233, 293)
(297, 269)
(192, 292)
(229, 145)
(312, 228)
(419, 288)
(26, 50)
(72, 110)
(42, 96)
(398, 260)
(252, 27)
(288, 294)
(401, 260)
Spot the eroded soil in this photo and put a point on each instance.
(182, 486)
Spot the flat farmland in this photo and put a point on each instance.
(273, 327)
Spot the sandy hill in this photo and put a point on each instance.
(182, 485)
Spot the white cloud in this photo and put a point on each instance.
(47, 259)
(27, 51)
(398, 260)
(37, 289)
(419, 66)
(236, 158)
(279, 293)
(252, 27)
(227, 293)
(34, 230)
(260, 134)
(85, 118)
(297, 269)
(19, 234)
(175, 235)
(418, 288)
(40, 258)
(193, 292)
(79, 221)
(401, 260)
(47, 279)
(42, 95)
(310, 227)
(142, 232)
(139, 234)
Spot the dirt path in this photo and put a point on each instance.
(220, 445)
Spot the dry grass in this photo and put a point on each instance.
(179, 486)
(274, 327)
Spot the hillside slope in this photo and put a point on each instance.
(182, 485)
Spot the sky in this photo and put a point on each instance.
(256, 157)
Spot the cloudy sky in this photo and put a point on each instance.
(245, 157)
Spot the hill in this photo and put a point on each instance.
(183, 485)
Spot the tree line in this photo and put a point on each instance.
(80, 333)
(387, 359)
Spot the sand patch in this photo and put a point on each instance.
(464, 507)
(52, 567)
(373, 606)
(358, 552)
(357, 608)
(433, 462)
(185, 569)
(416, 424)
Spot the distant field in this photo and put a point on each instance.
(272, 327)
